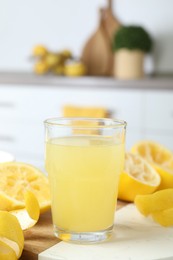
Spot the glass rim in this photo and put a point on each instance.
(60, 122)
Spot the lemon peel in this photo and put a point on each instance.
(138, 177)
(158, 201)
(6, 252)
(164, 217)
(158, 205)
(32, 205)
(29, 216)
(12, 225)
(11, 233)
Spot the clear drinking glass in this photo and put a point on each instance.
(83, 158)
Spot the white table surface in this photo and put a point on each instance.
(135, 238)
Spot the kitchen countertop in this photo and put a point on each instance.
(28, 78)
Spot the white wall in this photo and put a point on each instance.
(68, 23)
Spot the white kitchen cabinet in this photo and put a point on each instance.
(26, 101)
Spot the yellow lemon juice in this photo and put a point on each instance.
(84, 173)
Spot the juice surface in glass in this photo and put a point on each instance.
(84, 173)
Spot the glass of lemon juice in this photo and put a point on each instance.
(84, 158)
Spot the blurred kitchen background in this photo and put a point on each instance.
(68, 24)
(86, 75)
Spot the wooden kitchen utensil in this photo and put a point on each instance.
(97, 54)
(111, 23)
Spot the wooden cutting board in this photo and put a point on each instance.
(41, 237)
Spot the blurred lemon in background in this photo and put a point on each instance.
(39, 51)
(67, 54)
(58, 63)
(75, 69)
(41, 67)
(58, 70)
(52, 60)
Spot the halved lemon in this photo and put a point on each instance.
(138, 177)
(15, 179)
(160, 158)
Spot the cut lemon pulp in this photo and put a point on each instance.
(138, 177)
(15, 179)
(160, 158)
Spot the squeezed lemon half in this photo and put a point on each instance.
(15, 179)
(138, 177)
(160, 158)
